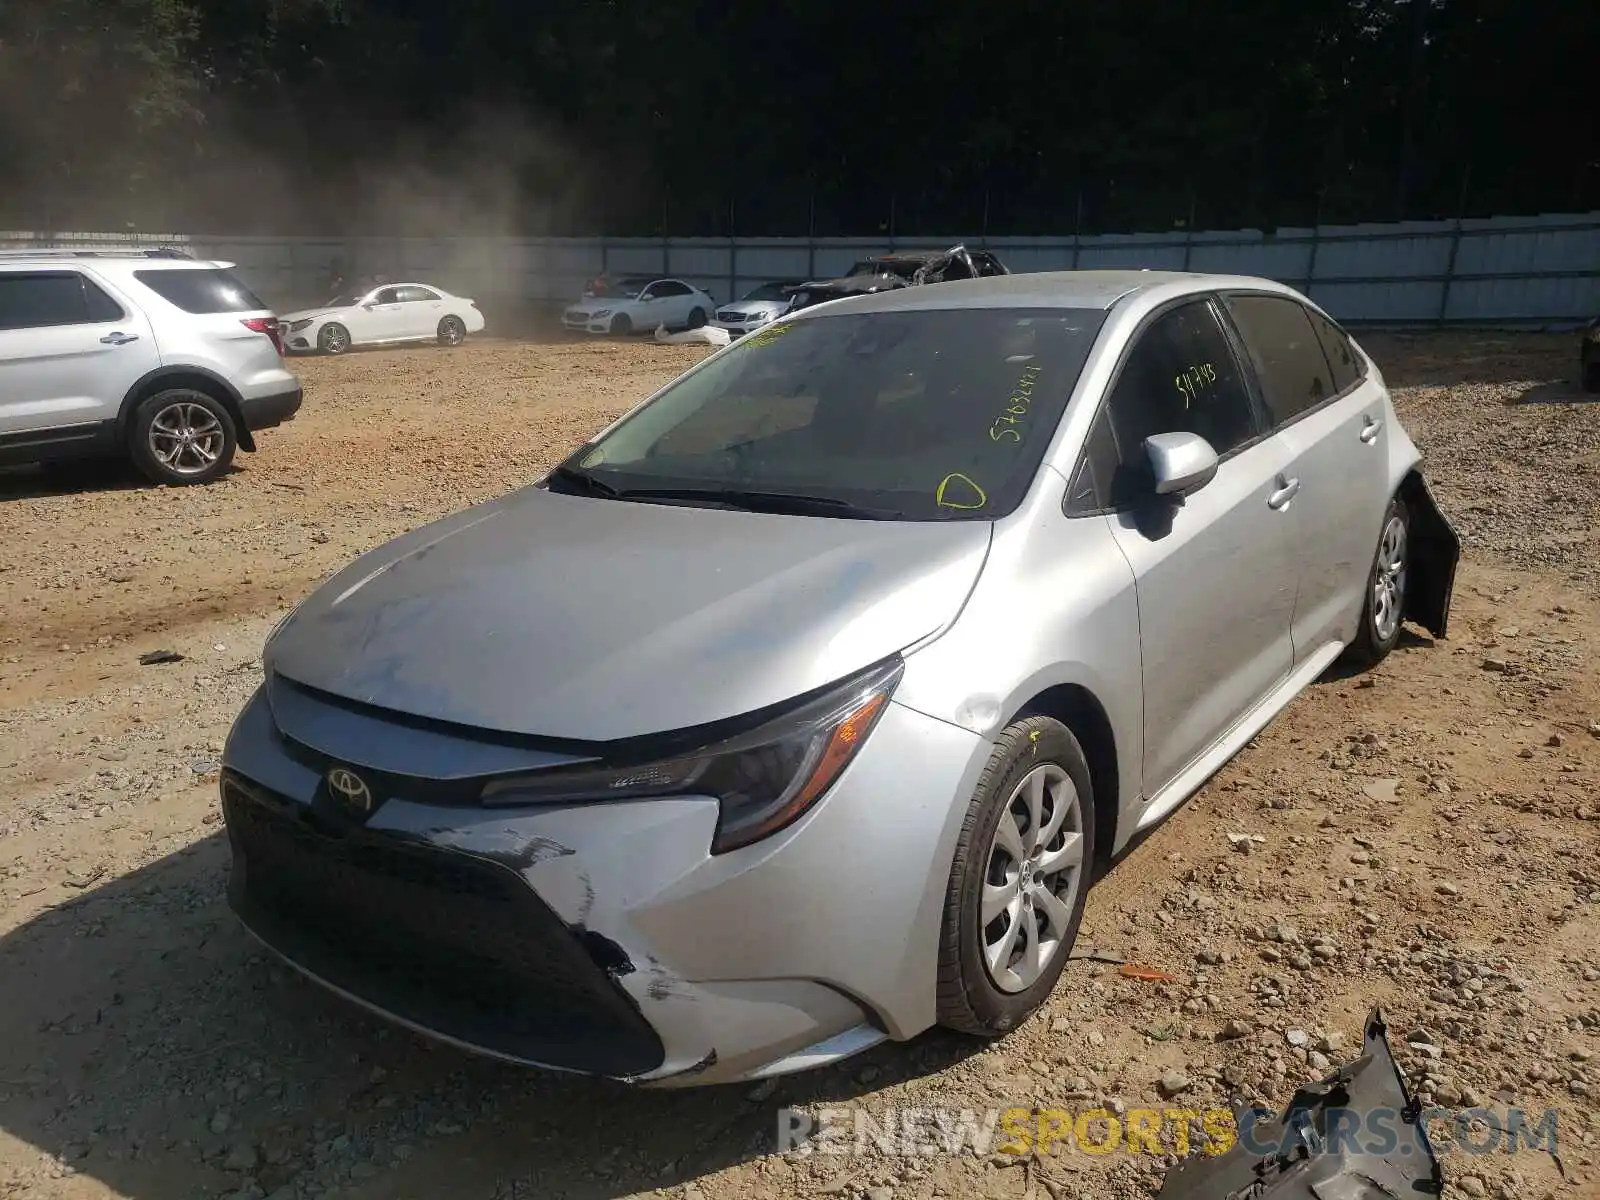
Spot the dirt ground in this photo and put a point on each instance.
(1427, 838)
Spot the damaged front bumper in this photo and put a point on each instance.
(1356, 1135)
(600, 939)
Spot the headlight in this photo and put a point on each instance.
(764, 779)
(601, 312)
(297, 326)
(757, 318)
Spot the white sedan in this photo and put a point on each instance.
(759, 306)
(639, 302)
(388, 313)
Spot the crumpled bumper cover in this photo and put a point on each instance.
(1356, 1135)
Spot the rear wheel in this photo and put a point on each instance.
(621, 325)
(697, 318)
(452, 332)
(334, 339)
(1019, 880)
(182, 436)
(1591, 373)
(1383, 614)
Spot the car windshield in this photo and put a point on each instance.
(619, 289)
(925, 415)
(768, 291)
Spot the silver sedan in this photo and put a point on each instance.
(792, 712)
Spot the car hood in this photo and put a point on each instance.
(581, 618)
(314, 314)
(595, 303)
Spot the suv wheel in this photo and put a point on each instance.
(182, 436)
(1019, 880)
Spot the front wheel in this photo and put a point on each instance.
(334, 338)
(621, 325)
(1019, 880)
(181, 436)
(1384, 611)
(452, 332)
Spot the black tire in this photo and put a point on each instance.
(452, 331)
(334, 338)
(969, 1000)
(162, 454)
(1589, 371)
(621, 325)
(1374, 639)
(697, 318)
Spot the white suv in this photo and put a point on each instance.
(166, 359)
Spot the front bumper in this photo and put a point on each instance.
(606, 939)
(582, 323)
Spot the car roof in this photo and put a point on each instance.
(1039, 289)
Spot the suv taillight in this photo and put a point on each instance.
(268, 326)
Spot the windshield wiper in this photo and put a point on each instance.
(772, 502)
(584, 480)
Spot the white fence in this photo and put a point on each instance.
(1524, 270)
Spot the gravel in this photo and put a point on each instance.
(1410, 854)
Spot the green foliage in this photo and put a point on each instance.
(778, 117)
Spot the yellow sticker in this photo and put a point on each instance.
(955, 490)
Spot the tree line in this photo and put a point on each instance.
(633, 118)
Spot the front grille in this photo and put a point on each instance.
(731, 316)
(443, 939)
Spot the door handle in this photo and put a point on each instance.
(119, 338)
(1287, 490)
(1371, 430)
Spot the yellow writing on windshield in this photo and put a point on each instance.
(765, 337)
(1018, 405)
(958, 491)
(1194, 381)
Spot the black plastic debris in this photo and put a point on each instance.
(156, 657)
(1356, 1135)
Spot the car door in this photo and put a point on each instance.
(422, 309)
(385, 316)
(1214, 573)
(672, 303)
(1330, 418)
(69, 352)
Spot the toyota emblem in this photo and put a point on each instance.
(349, 787)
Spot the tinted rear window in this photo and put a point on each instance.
(209, 290)
(40, 299)
(1342, 357)
(936, 415)
(1288, 358)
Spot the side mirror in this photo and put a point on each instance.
(1181, 462)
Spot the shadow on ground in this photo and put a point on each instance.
(1561, 391)
(146, 1042)
(59, 479)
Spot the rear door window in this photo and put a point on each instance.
(1286, 352)
(416, 295)
(1347, 366)
(205, 290)
(41, 299)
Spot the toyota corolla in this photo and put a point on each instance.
(791, 713)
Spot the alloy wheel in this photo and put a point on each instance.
(1031, 878)
(1389, 580)
(186, 438)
